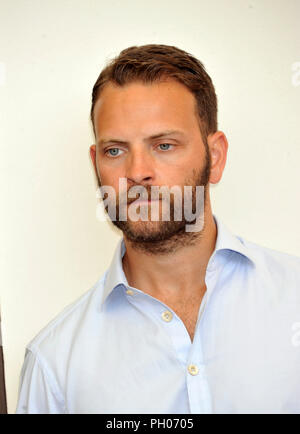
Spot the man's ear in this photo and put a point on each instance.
(218, 146)
(93, 154)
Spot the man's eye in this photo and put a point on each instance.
(113, 152)
(164, 146)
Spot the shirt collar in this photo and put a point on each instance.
(228, 242)
(225, 242)
(115, 275)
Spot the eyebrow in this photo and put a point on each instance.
(160, 135)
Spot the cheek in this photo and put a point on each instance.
(174, 175)
(110, 175)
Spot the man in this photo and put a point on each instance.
(183, 321)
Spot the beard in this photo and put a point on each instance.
(162, 237)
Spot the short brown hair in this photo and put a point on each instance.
(150, 63)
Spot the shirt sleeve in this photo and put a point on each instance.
(37, 393)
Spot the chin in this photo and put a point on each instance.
(147, 232)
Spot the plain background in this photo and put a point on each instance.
(53, 248)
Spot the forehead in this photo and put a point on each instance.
(167, 104)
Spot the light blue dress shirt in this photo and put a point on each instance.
(119, 350)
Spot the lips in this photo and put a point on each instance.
(145, 201)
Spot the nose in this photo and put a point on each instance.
(140, 168)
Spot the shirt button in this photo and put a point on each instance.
(167, 316)
(193, 369)
(129, 292)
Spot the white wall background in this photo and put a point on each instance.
(51, 51)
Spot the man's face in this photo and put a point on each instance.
(150, 135)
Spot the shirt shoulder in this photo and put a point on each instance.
(47, 357)
(63, 327)
(264, 253)
(279, 267)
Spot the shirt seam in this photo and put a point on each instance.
(52, 383)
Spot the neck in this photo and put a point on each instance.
(172, 273)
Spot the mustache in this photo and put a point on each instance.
(144, 193)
